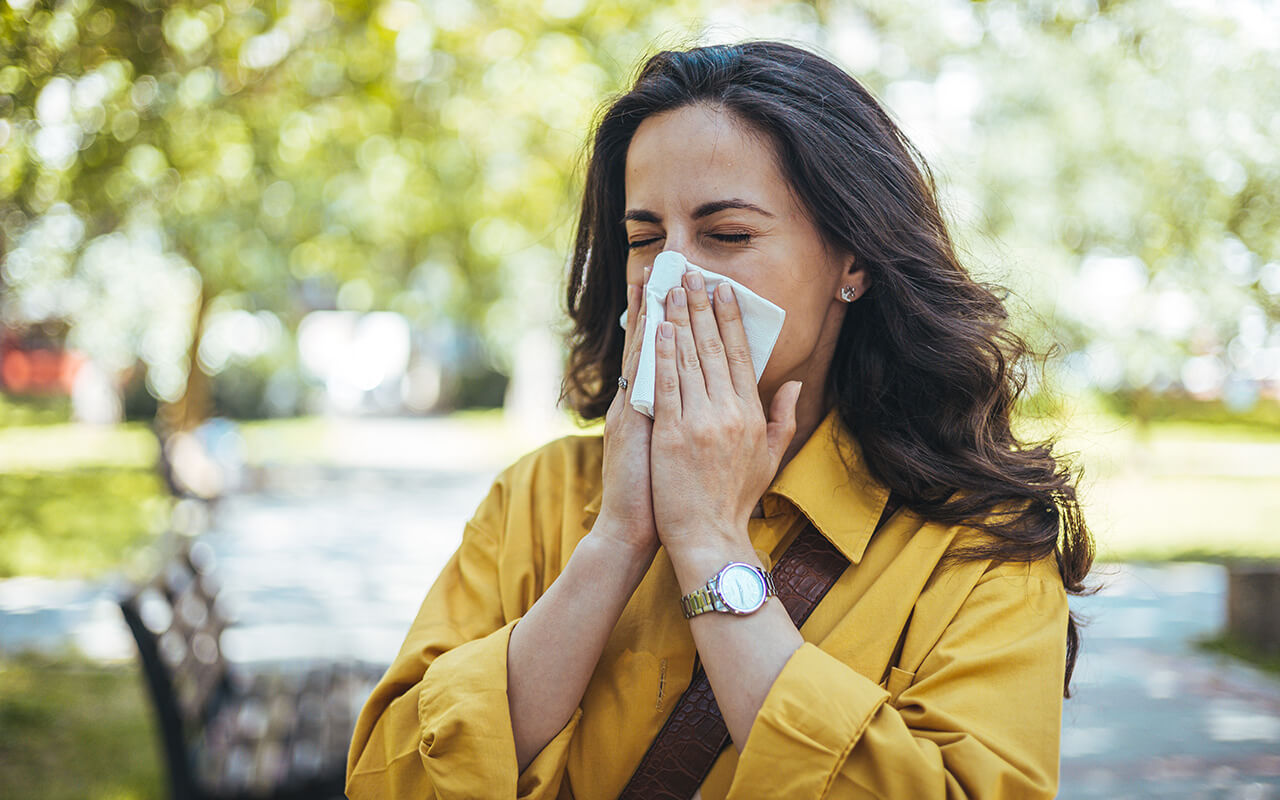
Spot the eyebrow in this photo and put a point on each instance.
(704, 210)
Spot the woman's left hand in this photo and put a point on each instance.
(712, 453)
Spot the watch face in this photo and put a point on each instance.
(742, 588)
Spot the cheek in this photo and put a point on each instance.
(635, 270)
(801, 331)
(794, 343)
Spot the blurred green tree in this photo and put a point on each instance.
(1114, 163)
(164, 159)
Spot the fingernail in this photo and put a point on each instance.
(667, 330)
(677, 296)
(724, 293)
(694, 279)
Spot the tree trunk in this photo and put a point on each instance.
(196, 402)
(1253, 595)
(1143, 408)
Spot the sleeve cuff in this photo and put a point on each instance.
(814, 713)
(465, 720)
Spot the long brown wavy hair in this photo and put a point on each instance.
(925, 373)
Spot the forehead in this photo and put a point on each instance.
(687, 156)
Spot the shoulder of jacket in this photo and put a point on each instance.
(958, 573)
(1043, 570)
(567, 460)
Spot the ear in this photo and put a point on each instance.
(856, 277)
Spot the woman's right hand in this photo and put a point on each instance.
(626, 505)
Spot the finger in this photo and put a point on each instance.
(634, 305)
(734, 336)
(628, 341)
(642, 299)
(666, 377)
(632, 366)
(693, 388)
(629, 370)
(782, 420)
(706, 337)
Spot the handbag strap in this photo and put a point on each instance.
(694, 734)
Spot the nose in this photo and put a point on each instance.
(680, 242)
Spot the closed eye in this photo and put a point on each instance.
(724, 237)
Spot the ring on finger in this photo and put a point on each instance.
(622, 382)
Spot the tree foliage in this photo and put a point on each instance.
(167, 163)
(165, 158)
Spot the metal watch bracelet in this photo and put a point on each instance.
(708, 598)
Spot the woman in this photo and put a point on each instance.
(553, 647)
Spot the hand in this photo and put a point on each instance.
(626, 505)
(713, 454)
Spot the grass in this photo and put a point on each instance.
(33, 411)
(77, 522)
(75, 500)
(74, 731)
(464, 440)
(1183, 517)
(1236, 648)
(1175, 490)
(69, 445)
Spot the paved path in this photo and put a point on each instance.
(333, 562)
(1152, 715)
(321, 563)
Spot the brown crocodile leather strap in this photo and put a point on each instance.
(685, 749)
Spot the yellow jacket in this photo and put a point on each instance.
(972, 706)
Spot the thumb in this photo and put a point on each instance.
(782, 419)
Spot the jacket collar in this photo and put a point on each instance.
(844, 505)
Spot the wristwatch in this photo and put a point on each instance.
(737, 589)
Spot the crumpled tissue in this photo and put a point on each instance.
(761, 319)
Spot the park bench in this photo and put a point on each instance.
(229, 732)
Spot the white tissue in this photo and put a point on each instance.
(761, 319)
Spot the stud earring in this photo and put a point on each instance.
(847, 293)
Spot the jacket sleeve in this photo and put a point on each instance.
(438, 724)
(980, 718)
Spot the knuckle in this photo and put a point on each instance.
(701, 433)
(712, 346)
(668, 383)
(738, 353)
(689, 360)
(732, 424)
(668, 437)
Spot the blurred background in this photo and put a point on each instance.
(281, 290)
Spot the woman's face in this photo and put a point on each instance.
(681, 167)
